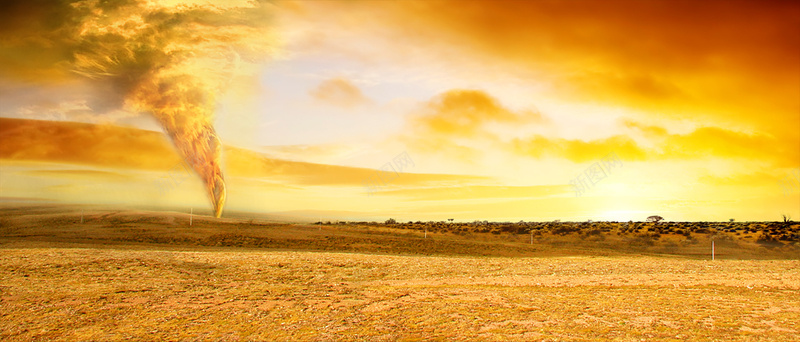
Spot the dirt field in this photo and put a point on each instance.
(112, 279)
(102, 294)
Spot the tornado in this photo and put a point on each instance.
(183, 104)
(169, 60)
(201, 149)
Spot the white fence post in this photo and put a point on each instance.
(713, 256)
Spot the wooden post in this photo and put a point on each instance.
(713, 256)
(531, 237)
(426, 233)
(191, 213)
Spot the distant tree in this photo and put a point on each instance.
(391, 221)
(654, 218)
(451, 220)
(733, 220)
(786, 218)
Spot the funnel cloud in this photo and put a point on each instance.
(170, 61)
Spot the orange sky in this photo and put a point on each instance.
(500, 108)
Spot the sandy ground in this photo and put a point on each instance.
(114, 294)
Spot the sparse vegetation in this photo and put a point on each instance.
(139, 275)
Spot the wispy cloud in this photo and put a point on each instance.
(459, 123)
(339, 92)
(704, 142)
(120, 147)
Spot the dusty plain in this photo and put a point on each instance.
(125, 274)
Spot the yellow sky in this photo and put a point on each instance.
(499, 110)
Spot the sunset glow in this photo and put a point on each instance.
(414, 110)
